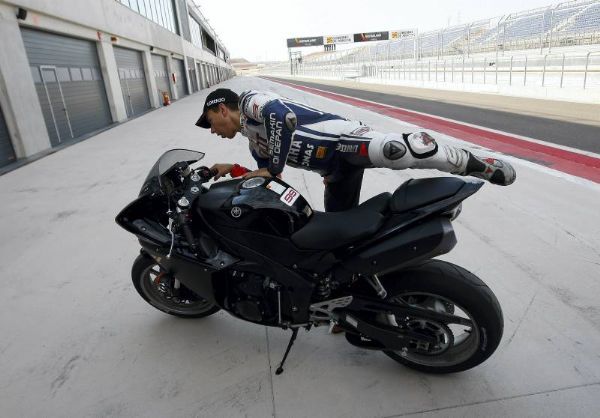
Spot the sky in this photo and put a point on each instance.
(257, 30)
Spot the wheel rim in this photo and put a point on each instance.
(457, 343)
(160, 290)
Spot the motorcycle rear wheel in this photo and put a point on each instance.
(158, 289)
(449, 288)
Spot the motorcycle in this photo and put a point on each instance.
(256, 249)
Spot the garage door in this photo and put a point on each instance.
(204, 76)
(133, 81)
(69, 84)
(192, 74)
(180, 77)
(207, 78)
(161, 75)
(7, 154)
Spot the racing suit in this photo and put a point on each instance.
(282, 131)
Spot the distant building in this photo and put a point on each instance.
(70, 68)
(243, 66)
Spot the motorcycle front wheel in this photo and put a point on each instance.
(445, 287)
(165, 292)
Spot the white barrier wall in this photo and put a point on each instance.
(558, 75)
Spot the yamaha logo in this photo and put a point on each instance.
(236, 211)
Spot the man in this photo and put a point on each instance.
(284, 132)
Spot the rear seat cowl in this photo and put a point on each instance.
(420, 192)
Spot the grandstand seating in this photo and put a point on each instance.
(527, 27)
(537, 28)
(587, 21)
(562, 15)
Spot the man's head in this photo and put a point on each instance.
(221, 113)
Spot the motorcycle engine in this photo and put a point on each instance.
(251, 297)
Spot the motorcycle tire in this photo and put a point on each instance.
(446, 287)
(152, 292)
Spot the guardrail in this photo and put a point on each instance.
(549, 70)
(587, 62)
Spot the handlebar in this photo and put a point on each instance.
(206, 173)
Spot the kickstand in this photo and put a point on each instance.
(287, 351)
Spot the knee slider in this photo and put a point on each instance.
(420, 144)
(387, 151)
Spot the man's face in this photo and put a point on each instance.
(220, 122)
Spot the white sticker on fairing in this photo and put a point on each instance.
(276, 187)
(290, 196)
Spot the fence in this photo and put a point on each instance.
(549, 70)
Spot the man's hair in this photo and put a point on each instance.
(230, 106)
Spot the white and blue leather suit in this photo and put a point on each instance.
(282, 131)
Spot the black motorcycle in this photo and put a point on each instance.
(255, 248)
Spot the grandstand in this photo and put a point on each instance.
(570, 23)
(553, 46)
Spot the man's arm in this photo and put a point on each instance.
(260, 162)
(235, 170)
(279, 121)
(263, 167)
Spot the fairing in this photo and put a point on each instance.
(155, 181)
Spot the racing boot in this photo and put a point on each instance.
(491, 169)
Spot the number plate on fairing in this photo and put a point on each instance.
(289, 196)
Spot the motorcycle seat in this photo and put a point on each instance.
(415, 193)
(330, 230)
(379, 203)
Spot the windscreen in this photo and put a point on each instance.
(154, 182)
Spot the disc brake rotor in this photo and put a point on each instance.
(442, 334)
(164, 284)
(453, 343)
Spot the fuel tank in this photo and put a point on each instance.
(264, 205)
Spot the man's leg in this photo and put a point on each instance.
(343, 191)
(420, 150)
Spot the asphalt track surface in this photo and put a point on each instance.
(575, 135)
(583, 164)
(77, 341)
